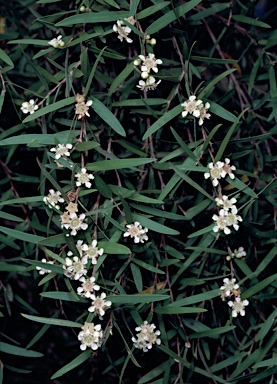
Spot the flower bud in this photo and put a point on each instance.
(82, 8)
(144, 75)
(152, 42)
(137, 62)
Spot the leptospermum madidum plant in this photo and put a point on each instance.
(138, 191)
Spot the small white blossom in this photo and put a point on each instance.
(238, 306)
(192, 106)
(233, 219)
(56, 42)
(75, 223)
(227, 169)
(227, 204)
(123, 31)
(149, 85)
(91, 251)
(221, 224)
(149, 63)
(90, 336)
(84, 178)
(75, 268)
(81, 109)
(99, 305)
(136, 232)
(42, 270)
(29, 107)
(229, 288)
(53, 198)
(61, 150)
(88, 287)
(215, 172)
(240, 252)
(203, 113)
(72, 207)
(146, 337)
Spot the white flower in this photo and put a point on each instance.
(240, 252)
(232, 220)
(81, 109)
(229, 288)
(215, 172)
(99, 305)
(56, 42)
(149, 63)
(29, 107)
(203, 113)
(90, 336)
(53, 199)
(192, 106)
(238, 306)
(136, 232)
(62, 150)
(84, 178)
(75, 223)
(149, 85)
(146, 337)
(227, 169)
(72, 207)
(41, 270)
(227, 204)
(91, 251)
(87, 287)
(221, 224)
(75, 268)
(123, 31)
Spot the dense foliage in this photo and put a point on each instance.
(138, 191)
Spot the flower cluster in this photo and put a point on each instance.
(146, 337)
(53, 198)
(42, 270)
(148, 63)
(227, 215)
(229, 289)
(123, 30)
(136, 232)
(91, 336)
(238, 254)
(220, 170)
(29, 107)
(81, 108)
(196, 108)
(56, 42)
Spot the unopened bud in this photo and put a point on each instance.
(61, 44)
(147, 37)
(144, 75)
(137, 62)
(82, 8)
(152, 41)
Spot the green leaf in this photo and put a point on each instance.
(162, 121)
(154, 226)
(93, 17)
(21, 235)
(86, 146)
(137, 276)
(138, 102)
(46, 320)
(266, 363)
(249, 20)
(39, 139)
(136, 299)
(113, 248)
(196, 298)
(5, 58)
(85, 355)
(121, 77)
(108, 165)
(236, 182)
(214, 82)
(8, 216)
(92, 72)
(50, 108)
(14, 350)
(148, 266)
(66, 296)
(51, 267)
(30, 42)
(213, 333)
(227, 137)
(107, 116)
(170, 310)
(171, 16)
(258, 287)
(221, 112)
